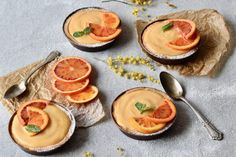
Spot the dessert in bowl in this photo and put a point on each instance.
(143, 113)
(40, 127)
(170, 41)
(92, 28)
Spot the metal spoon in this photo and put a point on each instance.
(18, 89)
(174, 90)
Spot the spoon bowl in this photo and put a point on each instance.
(18, 89)
(14, 90)
(171, 85)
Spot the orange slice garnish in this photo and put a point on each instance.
(184, 44)
(69, 87)
(185, 27)
(110, 19)
(164, 113)
(86, 95)
(145, 125)
(37, 118)
(22, 114)
(189, 34)
(71, 69)
(103, 33)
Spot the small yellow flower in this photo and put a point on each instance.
(135, 11)
(141, 2)
(88, 154)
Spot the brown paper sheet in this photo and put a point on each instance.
(39, 87)
(214, 46)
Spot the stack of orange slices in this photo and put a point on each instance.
(71, 79)
(189, 35)
(156, 120)
(108, 30)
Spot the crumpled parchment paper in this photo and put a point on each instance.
(39, 87)
(214, 46)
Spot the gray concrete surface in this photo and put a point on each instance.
(30, 29)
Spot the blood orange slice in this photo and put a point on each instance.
(185, 44)
(145, 125)
(103, 33)
(71, 69)
(37, 122)
(22, 114)
(110, 19)
(86, 95)
(69, 87)
(163, 113)
(185, 27)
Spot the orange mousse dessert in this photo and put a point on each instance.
(172, 37)
(143, 110)
(92, 26)
(39, 124)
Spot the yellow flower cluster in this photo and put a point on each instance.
(115, 64)
(135, 11)
(88, 154)
(141, 2)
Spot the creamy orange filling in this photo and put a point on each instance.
(124, 106)
(56, 130)
(155, 39)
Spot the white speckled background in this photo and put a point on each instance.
(30, 29)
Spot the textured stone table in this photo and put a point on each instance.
(30, 29)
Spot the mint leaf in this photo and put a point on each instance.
(78, 34)
(146, 109)
(86, 31)
(139, 106)
(167, 26)
(32, 128)
(142, 107)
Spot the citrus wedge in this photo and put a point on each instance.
(69, 87)
(185, 27)
(71, 69)
(86, 95)
(110, 19)
(163, 113)
(144, 125)
(184, 44)
(37, 119)
(103, 33)
(22, 114)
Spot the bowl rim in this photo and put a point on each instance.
(140, 136)
(84, 46)
(165, 57)
(51, 148)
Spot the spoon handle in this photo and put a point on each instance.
(49, 58)
(214, 133)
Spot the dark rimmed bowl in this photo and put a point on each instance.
(85, 47)
(172, 60)
(49, 149)
(140, 136)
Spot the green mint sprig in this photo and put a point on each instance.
(142, 107)
(32, 128)
(86, 31)
(167, 26)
